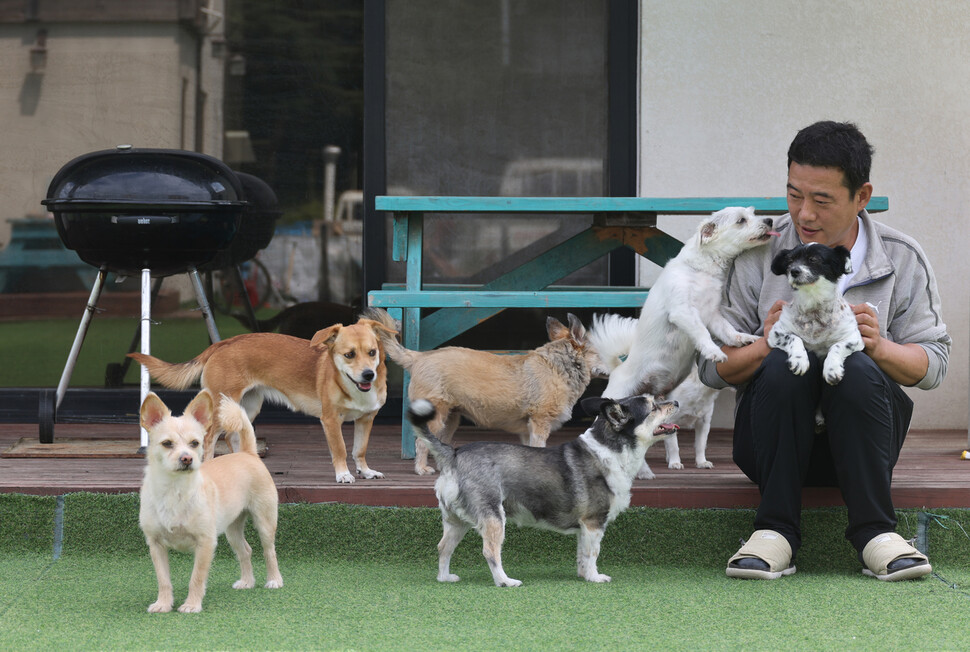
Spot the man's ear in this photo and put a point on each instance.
(863, 195)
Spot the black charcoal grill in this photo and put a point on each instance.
(147, 212)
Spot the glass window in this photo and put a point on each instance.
(498, 98)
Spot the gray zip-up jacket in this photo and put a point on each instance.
(896, 277)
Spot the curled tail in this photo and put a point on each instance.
(179, 375)
(392, 347)
(612, 336)
(420, 412)
(237, 426)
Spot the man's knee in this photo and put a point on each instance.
(775, 376)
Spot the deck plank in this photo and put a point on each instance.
(929, 474)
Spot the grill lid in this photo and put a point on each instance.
(131, 209)
(132, 179)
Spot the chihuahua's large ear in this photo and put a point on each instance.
(846, 256)
(325, 336)
(779, 264)
(555, 330)
(576, 328)
(153, 410)
(201, 409)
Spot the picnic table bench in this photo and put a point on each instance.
(616, 222)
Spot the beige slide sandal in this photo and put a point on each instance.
(767, 546)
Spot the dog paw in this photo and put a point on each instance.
(833, 374)
(677, 466)
(424, 470)
(645, 473)
(743, 339)
(244, 584)
(274, 584)
(714, 354)
(369, 474)
(192, 608)
(798, 363)
(705, 464)
(449, 577)
(598, 577)
(159, 608)
(508, 581)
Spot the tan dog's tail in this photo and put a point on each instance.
(174, 375)
(237, 426)
(420, 412)
(394, 349)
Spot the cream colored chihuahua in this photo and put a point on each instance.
(186, 504)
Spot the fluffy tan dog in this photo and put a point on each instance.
(337, 376)
(186, 504)
(529, 394)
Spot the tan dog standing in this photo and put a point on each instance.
(530, 394)
(337, 376)
(186, 504)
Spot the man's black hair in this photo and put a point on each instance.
(834, 145)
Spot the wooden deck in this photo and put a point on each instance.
(929, 474)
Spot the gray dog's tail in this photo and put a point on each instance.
(420, 412)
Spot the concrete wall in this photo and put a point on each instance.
(103, 85)
(726, 85)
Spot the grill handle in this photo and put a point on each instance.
(146, 220)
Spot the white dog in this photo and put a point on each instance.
(612, 336)
(682, 310)
(818, 319)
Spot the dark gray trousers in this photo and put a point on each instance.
(775, 443)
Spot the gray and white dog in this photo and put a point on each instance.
(612, 336)
(818, 319)
(577, 487)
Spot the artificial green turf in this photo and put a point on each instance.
(35, 351)
(364, 578)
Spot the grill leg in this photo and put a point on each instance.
(115, 372)
(146, 346)
(48, 409)
(210, 321)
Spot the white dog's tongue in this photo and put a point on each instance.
(773, 233)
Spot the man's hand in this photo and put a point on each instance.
(773, 316)
(868, 320)
(904, 363)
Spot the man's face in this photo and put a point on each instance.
(821, 207)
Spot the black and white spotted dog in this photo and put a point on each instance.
(818, 319)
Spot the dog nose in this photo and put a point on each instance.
(795, 272)
(367, 375)
(768, 222)
(185, 459)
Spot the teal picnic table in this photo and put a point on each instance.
(616, 222)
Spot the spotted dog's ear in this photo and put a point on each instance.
(845, 257)
(779, 264)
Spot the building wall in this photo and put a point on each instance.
(726, 85)
(103, 84)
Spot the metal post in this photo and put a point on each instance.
(330, 155)
(146, 346)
